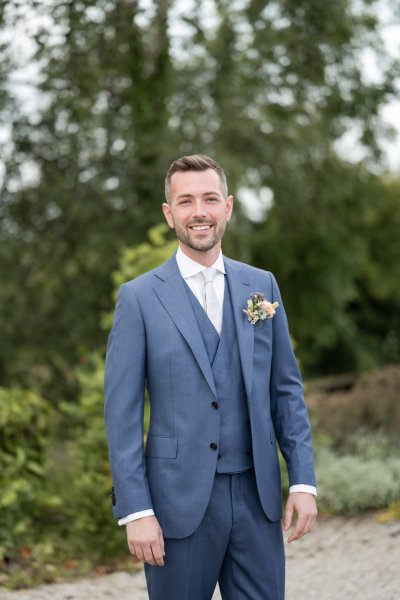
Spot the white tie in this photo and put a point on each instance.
(211, 302)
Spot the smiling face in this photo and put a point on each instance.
(198, 212)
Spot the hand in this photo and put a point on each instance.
(146, 540)
(305, 506)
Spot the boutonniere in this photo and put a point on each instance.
(258, 308)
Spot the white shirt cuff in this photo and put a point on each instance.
(137, 515)
(302, 487)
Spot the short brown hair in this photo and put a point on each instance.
(195, 162)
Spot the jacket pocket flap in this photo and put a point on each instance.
(158, 446)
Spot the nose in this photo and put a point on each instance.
(199, 209)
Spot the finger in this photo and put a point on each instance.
(148, 555)
(297, 533)
(162, 544)
(299, 529)
(304, 525)
(158, 554)
(288, 516)
(139, 552)
(132, 550)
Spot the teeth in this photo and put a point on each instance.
(201, 227)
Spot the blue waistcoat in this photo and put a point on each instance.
(234, 449)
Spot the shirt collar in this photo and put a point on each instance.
(189, 267)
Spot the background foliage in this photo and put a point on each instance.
(24, 427)
(121, 89)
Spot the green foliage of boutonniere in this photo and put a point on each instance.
(258, 308)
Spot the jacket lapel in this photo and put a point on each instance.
(240, 289)
(170, 289)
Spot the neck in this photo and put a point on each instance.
(203, 257)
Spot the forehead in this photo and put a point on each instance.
(195, 183)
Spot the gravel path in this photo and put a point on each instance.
(342, 559)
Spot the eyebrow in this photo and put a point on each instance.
(214, 193)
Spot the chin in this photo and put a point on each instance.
(203, 245)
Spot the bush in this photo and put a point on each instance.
(24, 425)
(87, 478)
(372, 404)
(355, 440)
(142, 258)
(354, 483)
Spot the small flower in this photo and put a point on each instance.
(269, 308)
(259, 309)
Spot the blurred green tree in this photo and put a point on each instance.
(97, 151)
(125, 87)
(333, 246)
(375, 308)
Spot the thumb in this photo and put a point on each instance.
(288, 516)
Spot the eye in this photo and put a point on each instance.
(212, 199)
(185, 201)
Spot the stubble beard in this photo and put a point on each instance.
(184, 236)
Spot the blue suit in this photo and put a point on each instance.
(156, 343)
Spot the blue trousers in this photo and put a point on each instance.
(235, 544)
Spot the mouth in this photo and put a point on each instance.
(202, 227)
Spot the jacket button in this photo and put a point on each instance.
(215, 405)
(249, 452)
(213, 446)
(219, 456)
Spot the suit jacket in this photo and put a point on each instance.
(155, 343)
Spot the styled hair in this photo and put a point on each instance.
(194, 162)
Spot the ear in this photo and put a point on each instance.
(167, 214)
(229, 207)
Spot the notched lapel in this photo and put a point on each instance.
(240, 289)
(170, 289)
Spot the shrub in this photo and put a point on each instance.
(87, 479)
(24, 424)
(141, 258)
(354, 483)
(372, 404)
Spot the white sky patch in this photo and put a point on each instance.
(255, 203)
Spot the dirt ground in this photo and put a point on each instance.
(342, 559)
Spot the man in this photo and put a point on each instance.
(202, 502)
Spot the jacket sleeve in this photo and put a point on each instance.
(288, 408)
(124, 386)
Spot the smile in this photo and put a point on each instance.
(200, 227)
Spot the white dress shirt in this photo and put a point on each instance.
(190, 271)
